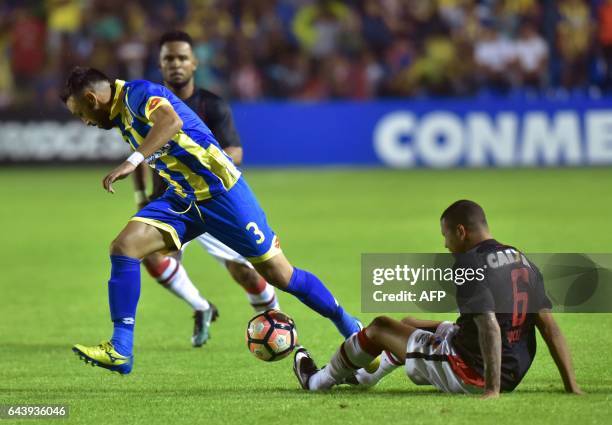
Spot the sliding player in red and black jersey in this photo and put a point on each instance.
(177, 65)
(491, 346)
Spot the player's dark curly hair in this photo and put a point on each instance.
(171, 36)
(467, 213)
(79, 79)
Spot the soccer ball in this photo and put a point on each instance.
(271, 335)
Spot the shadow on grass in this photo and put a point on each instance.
(273, 392)
(197, 393)
(354, 392)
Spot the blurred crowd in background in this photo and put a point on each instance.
(313, 50)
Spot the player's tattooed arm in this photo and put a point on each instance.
(552, 335)
(167, 125)
(489, 338)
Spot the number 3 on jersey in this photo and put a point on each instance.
(253, 227)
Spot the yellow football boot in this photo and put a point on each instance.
(105, 356)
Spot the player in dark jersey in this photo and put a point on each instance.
(490, 347)
(177, 65)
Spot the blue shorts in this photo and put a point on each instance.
(234, 217)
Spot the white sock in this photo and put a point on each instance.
(264, 298)
(388, 363)
(321, 380)
(350, 356)
(175, 278)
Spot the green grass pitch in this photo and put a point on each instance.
(57, 225)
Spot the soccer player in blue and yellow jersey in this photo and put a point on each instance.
(206, 193)
(178, 64)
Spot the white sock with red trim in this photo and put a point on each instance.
(356, 352)
(388, 363)
(172, 275)
(263, 297)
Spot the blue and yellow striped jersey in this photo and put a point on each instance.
(192, 163)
